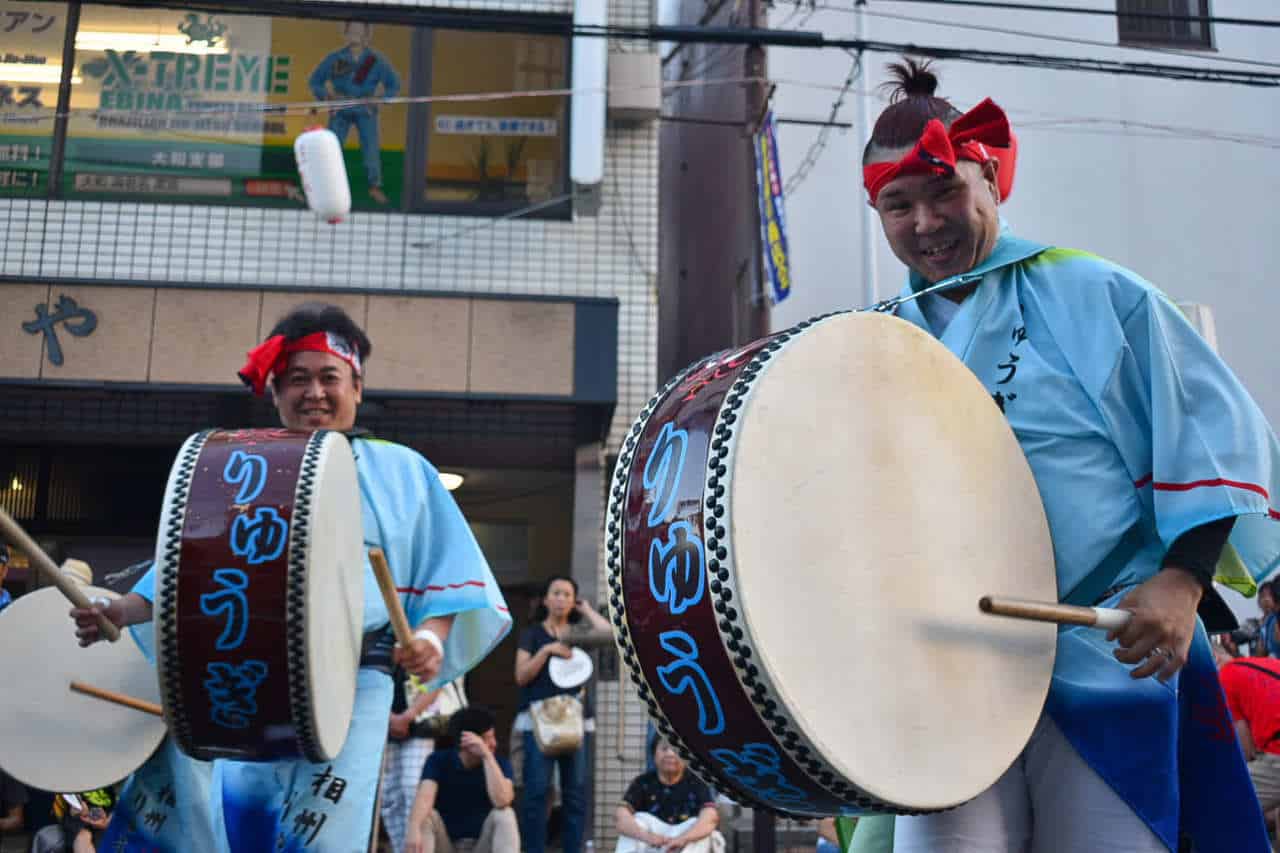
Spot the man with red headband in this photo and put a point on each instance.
(1153, 464)
(313, 365)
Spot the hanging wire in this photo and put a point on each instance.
(1110, 13)
(1172, 51)
(497, 220)
(810, 40)
(295, 108)
(819, 145)
(636, 257)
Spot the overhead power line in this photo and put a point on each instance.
(1006, 31)
(812, 39)
(1110, 13)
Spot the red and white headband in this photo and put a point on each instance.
(979, 135)
(271, 357)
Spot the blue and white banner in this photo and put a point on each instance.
(773, 219)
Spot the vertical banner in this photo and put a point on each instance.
(773, 220)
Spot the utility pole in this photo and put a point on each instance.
(754, 68)
(763, 823)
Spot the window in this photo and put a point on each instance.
(1187, 32)
(195, 107)
(505, 153)
(203, 107)
(31, 36)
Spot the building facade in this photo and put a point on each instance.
(501, 256)
(1167, 177)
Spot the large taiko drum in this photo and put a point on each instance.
(259, 594)
(798, 535)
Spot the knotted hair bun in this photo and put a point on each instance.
(912, 105)
(910, 79)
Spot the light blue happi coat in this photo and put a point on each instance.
(176, 804)
(1136, 432)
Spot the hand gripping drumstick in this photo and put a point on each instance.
(13, 532)
(118, 698)
(1105, 618)
(387, 585)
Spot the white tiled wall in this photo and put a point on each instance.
(612, 254)
(533, 6)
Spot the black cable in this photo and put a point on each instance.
(741, 123)
(812, 39)
(815, 122)
(716, 122)
(1113, 13)
(1006, 31)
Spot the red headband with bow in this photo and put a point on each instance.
(979, 135)
(272, 356)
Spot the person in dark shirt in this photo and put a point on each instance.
(465, 793)
(667, 809)
(409, 742)
(83, 817)
(13, 799)
(552, 634)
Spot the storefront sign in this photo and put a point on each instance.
(497, 125)
(78, 321)
(31, 40)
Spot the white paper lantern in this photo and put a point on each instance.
(324, 174)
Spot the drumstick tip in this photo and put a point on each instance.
(984, 604)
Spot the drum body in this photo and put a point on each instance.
(798, 535)
(259, 594)
(56, 740)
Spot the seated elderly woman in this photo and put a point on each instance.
(668, 809)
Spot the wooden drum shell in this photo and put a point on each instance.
(236, 622)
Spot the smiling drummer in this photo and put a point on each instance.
(1150, 458)
(312, 362)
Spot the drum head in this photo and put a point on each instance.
(877, 492)
(56, 740)
(334, 583)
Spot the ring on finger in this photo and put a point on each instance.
(1161, 652)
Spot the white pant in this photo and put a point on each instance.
(713, 843)
(402, 765)
(1049, 801)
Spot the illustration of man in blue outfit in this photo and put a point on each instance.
(355, 71)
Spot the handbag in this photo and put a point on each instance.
(434, 721)
(558, 725)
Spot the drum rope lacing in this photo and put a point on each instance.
(887, 305)
(614, 526)
(167, 595)
(300, 704)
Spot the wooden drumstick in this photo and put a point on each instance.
(387, 584)
(1105, 618)
(117, 698)
(18, 538)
